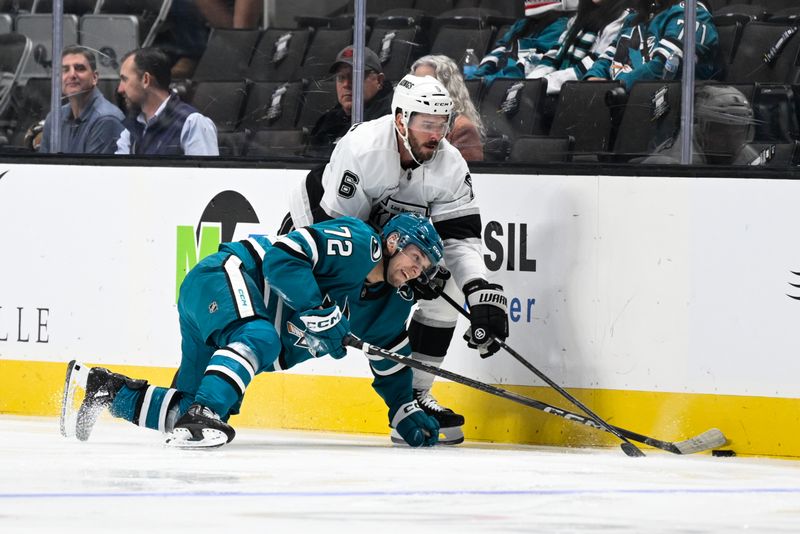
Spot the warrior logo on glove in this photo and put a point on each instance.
(488, 308)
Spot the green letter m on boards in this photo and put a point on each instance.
(190, 251)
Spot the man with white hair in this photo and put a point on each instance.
(403, 163)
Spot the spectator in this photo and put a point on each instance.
(467, 131)
(238, 14)
(189, 23)
(724, 125)
(186, 39)
(334, 123)
(651, 35)
(163, 125)
(589, 33)
(90, 124)
(531, 37)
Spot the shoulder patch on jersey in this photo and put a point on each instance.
(405, 292)
(375, 249)
(468, 181)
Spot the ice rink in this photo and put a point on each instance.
(124, 480)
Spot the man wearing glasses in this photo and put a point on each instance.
(403, 163)
(332, 125)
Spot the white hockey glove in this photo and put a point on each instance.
(488, 308)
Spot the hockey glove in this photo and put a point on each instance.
(325, 330)
(488, 308)
(429, 288)
(416, 427)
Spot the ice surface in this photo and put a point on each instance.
(125, 480)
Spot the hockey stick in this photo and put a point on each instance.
(709, 439)
(629, 448)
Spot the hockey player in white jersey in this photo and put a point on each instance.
(403, 163)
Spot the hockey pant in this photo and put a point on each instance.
(225, 342)
(431, 331)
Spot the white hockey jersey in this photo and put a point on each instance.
(364, 179)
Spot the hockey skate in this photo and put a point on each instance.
(99, 387)
(200, 428)
(450, 423)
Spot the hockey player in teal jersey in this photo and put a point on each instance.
(262, 305)
(650, 36)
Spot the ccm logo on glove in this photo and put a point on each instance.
(320, 323)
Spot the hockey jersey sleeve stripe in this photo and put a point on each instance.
(256, 251)
(667, 46)
(251, 243)
(311, 240)
(465, 227)
(293, 249)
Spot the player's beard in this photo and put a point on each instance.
(417, 153)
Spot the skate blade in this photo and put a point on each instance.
(447, 436)
(181, 438)
(77, 374)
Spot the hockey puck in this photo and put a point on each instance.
(723, 453)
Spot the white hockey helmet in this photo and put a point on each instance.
(421, 94)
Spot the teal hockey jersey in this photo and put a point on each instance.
(642, 49)
(328, 263)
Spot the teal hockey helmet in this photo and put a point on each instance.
(414, 229)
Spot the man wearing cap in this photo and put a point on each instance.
(332, 125)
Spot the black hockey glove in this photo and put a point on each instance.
(431, 289)
(488, 308)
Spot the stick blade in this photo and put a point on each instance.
(631, 450)
(710, 439)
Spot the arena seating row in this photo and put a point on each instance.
(266, 88)
(582, 120)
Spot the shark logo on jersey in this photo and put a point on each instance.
(375, 249)
(299, 333)
(406, 292)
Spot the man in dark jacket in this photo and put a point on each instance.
(335, 122)
(159, 123)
